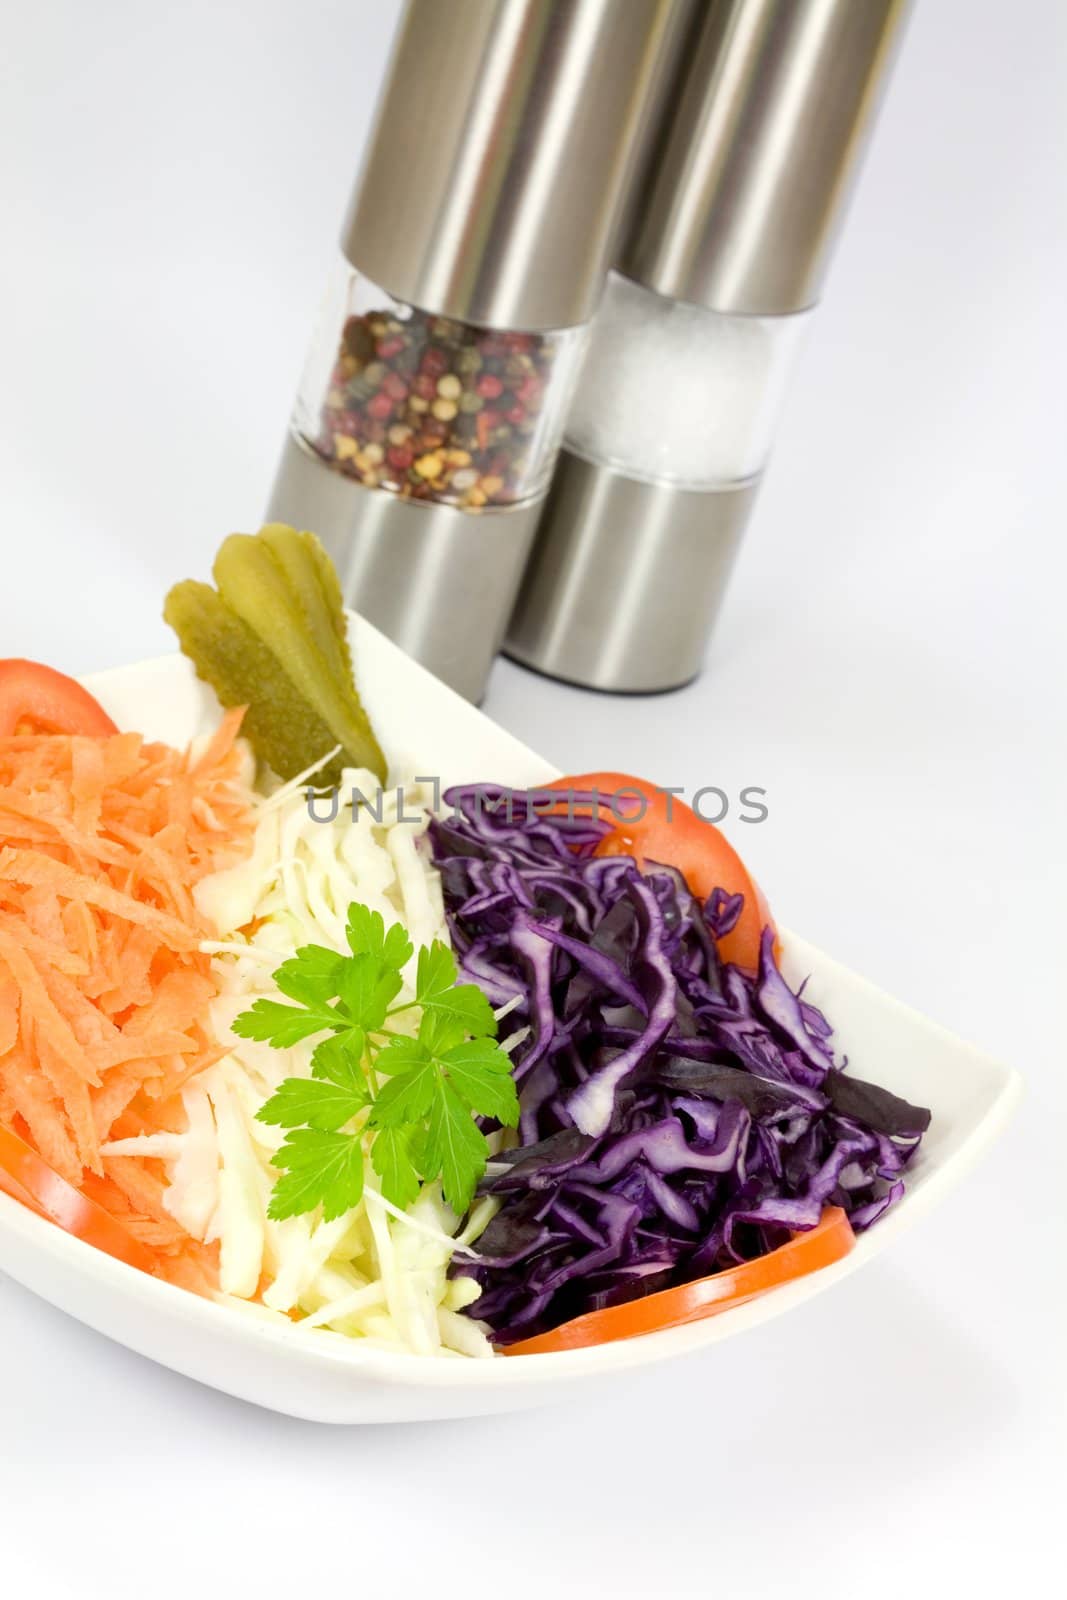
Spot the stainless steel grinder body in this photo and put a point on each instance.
(506, 137)
(755, 161)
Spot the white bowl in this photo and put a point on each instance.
(430, 731)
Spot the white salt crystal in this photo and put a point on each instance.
(676, 393)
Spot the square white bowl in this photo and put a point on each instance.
(429, 731)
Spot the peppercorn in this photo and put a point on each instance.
(380, 406)
(357, 392)
(444, 410)
(400, 456)
(489, 386)
(434, 363)
(530, 391)
(357, 340)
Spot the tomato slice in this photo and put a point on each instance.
(28, 1178)
(661, 827)
(830, 1240)
(46, 701)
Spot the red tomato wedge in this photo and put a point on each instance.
(38, 699)
(830, 1240)
(651, 825)
(26, 1177)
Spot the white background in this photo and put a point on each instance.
(890, 667)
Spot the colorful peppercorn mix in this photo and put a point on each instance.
(435, 409)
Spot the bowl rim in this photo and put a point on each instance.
(421, 1372)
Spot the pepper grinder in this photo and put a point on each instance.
(689, 352)
(430, 413)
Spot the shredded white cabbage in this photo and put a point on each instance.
(375, 1274)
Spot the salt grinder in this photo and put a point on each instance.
(688, 355)
(474, 251)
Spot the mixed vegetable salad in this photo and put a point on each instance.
(515, 1075)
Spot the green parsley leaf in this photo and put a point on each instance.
(480, 1072)
(391, 1159)
(321, 1168)
(399, 1055)
(310, 976)
(438, 1032)
(367, 935)
(283, 1026)
(311, 1102)
(408, 1096)
(435, 973)
(366, 992)
(340, 1059)
(421, 1094)
(440, 997)
(454, 1147)
(455, 1016)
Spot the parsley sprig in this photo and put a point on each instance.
(411, 1098)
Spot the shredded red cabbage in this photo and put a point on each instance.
(677, 1114)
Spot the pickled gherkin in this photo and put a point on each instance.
(272, 637)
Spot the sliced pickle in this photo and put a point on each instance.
(258, 588)
(313, 579)
(273, 638)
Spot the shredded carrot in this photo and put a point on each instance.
(9, 1013)
(103, 989)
